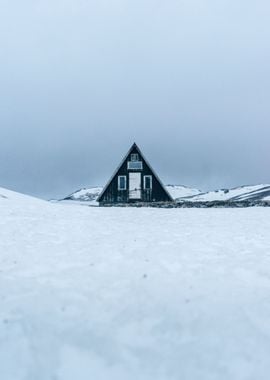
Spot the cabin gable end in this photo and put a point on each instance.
(134, 181)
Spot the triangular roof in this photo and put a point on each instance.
(119, 166)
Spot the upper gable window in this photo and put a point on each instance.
(134, 157)
(135, 165)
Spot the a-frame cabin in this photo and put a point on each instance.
(134, 182)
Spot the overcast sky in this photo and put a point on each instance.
(81, 80)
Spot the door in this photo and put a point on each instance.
(135, 191)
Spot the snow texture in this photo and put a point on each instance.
(128, 294)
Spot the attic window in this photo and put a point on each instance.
(134, 157)
(135, 165)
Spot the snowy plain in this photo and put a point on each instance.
(125, 294)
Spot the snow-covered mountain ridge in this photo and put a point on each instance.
(237, 194)
(89, 195)
(185, 194)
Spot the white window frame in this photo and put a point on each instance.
(151, 182)
(119, 181)
(134, 157)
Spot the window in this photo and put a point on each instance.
(135, 165)
(122, 182)
(147, 182)
(134, 157)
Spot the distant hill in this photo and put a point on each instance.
(184, 195)
(91, 194)
(253, 193)
(181, 191)
(88, 195)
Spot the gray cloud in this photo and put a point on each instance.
(81, 80)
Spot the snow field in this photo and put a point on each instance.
(112, 293)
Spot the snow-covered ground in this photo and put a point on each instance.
(128, 294)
